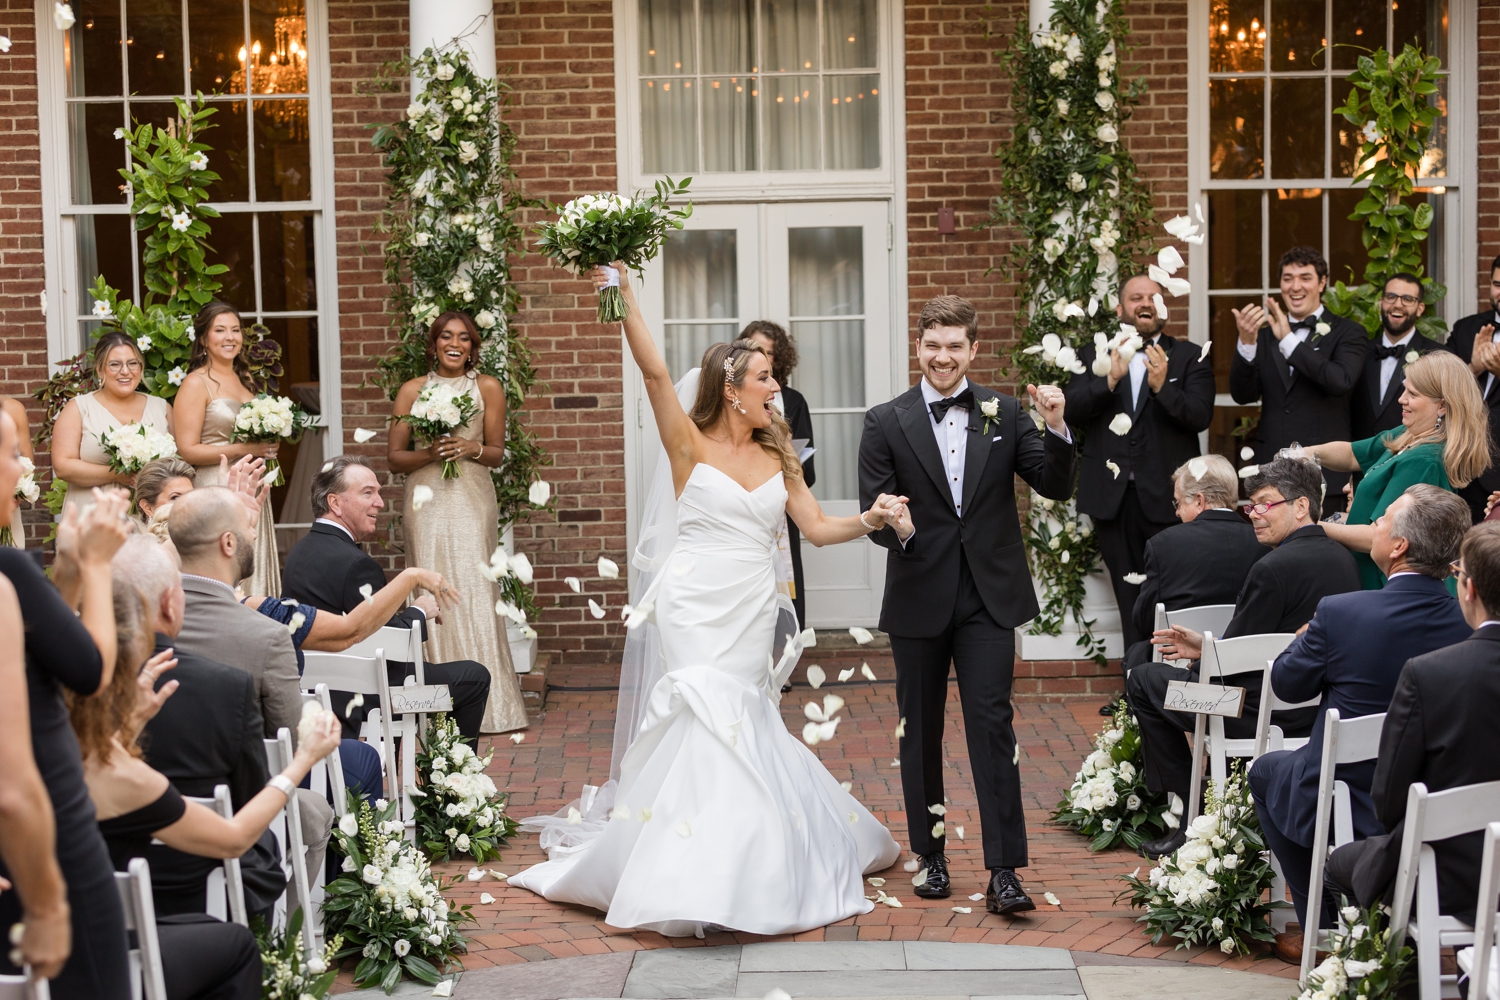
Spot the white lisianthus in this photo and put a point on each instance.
(402, 947)
(444, 71)
(421, 239)
(1063, 107)
(1059, 68)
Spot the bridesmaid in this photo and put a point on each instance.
(17, 411)
(454, 532)
(217, 385)
(78, 457)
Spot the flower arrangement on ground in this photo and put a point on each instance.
(26, 489)
(459, 811)
(1361, 964)
(267, 419)
(287, 972)
(597, 230)
(1109, 801)
(131, 446)
(388, 906)
(1209, 891)
(438, 411)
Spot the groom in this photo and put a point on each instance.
(957, 585)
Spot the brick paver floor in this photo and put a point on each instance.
(569, 743)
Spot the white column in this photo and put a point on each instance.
(1041, 15)
(435, 23)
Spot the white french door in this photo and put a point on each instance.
(824, 272)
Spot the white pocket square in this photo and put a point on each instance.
(995, 438)
(1171, 380)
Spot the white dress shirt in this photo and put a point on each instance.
(1138, 374)
(209, 579)
(1288, 343)
(1489, 377)
(1388, 365)
(324, 520)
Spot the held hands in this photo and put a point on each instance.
(1049, 402)
(891, 511)
(1178, 643)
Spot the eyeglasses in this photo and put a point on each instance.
(116, 367)
(1456, 567)
(1258, 508)
(1405, 300)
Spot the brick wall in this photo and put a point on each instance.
(1487, 173)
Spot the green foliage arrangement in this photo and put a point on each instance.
(452, 230)
(1391, 100)
(459, 810)
(1062, 549)
(287, 971)
(1362, 963)
(1109, 801)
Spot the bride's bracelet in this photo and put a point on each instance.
(867, 524)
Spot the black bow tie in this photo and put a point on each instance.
(1398, 352)
(940, 407)
(1305, 324)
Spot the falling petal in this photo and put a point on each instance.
(641, 614)
(831, 704)
(517, 737)
(485, 899)
(419, 496)
(1208, 345)
(297, 619)
(810, 732)
(290, 602)
(912, 865)
(920, 878)
(815, 676)
(573, 584)
(608, 569)
(901, 728)
(354, 703)
(1198, 212)
(827, 729)
(363, 435)
(938, 809)
(1247, 453)
(1112, 467)
(1134, 579)
(1015, 758)
(814, 711)
(844, 675)
(627, 610)
(963, 909)
(620, 812)
(475, 874)
(959, 831)
(846, 785)
(1169, 259)
(896, 763)
(809, 637)
(1249, 470)
(326, 466)
(595, 609)
(1197, 467)
(367, 592)
(853, 816)
(861, 635)
(1160, 304)
(684, 830)
(1120, 424)
(1051, 899)
(1177, 287)
(539, 493)
(644, 815)
(866, 672)
(938, 828)
(574, 816)
(876, 881)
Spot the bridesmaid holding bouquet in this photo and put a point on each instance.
(451, 520)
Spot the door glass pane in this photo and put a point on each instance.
(669, 127)
(1435, 160)
(287, 266)
(278, 47)
(729, 132)
(1297, 127)
(97, 155)
(728, 36)
(1359, 25)
(1236, 127)
(1297, 35)
(666, 37)
(826, 292)
(1234, 239)
(283, 164)
(791, 28)
(154, 40)
(92, 50)
(851, 122)
(1296, 220)
(1236, 36)
(1223, 332)
(217, 30)
(792, 123)
(701, 283)
(849, 33)
(230, 243)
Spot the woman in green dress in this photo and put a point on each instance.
(1444, 440)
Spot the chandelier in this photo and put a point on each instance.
(281, 70)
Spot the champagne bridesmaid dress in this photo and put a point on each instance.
(454, 534)
(96, 420)
(218, 429)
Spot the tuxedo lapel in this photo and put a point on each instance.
(977, 448)
(1282, 366)
(917, 426)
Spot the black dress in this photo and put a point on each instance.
(61, 653)
(202, 957)
(800, 419)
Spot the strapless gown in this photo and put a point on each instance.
(721, 815)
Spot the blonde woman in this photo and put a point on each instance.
(1444, 439)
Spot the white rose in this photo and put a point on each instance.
(1059, 68)
(1105, 100)
(1063, 106)
(1107, 133)
(1226, 945)
(467, 152)
(443, 72)
(484, 319)
(462, 843)
(1076, 182)
(1322, 329)
(373, 875)
(402, 947)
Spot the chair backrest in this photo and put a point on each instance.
(1240, 655)
(24, 987)
(229, 872)
(1482, 983)
(278, 758)
(327, 776)
(1437, 816)
(147, 979)
(360, 675)
(1204, 618)
(401, 645)
(1269, 703)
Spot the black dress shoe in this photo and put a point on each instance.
(1005, 894)
(1154, 849)
(1108, 710)
(936, 886)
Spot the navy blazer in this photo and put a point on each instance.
(1352, 655)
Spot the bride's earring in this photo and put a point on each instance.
(734, 401)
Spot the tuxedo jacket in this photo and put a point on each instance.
(1204, 561)
(327, 568)
(1351, 657)
(1461, 342)
(1369, 411)
(899, 454)
(1283, 588)
(1309, 405)
(1439, 730)
(1163, 432)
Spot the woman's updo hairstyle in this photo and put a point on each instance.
(726, 365)
(107, 343)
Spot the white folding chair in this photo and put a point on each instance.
(288, 829)
(1434, 816)
(1345, 741)
(225, 883)
(1479, 960)
(24, 987)
(401, 645)
(327, 775)
(1204, 618)
(360, 675)
(147, 981)
(1267, 736)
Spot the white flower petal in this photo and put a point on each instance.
(1208, 345)
(938, 809)
(1015, 758)
(777, 993)
(963, 909)
(814, 711)
(420, 495)
(475, 874)
(575, 817)
(1120, 424)
(539, 493)
(1112, 467)
(866, 672)
(810, 732)
(809, 637)
(1169, 259)
(1134, 579)
(938, 828)
(573, 584)
(816, 676)
(1197, 467)
(608, 569)
(861, 635)
(1160, 304)
(517, 737)
(367, 592)
(1049, 897)
(959, 831)
(901, 728)
(846, 785)
(844, 675)
(1249, 470)
(595, 609)
(620, 812)
(920, 878)
(877, 882)
(485, 899)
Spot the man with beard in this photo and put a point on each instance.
(1474, 339)
(1300, 362)
(1375, 406)
(1166, 391)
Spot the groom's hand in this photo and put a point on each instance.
(1049, 402)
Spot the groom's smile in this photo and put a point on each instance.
(944, 354)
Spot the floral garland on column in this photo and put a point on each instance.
(1071, 193)
(451, 221)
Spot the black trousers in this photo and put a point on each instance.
(204, 958)
(1122, 543)
(468, 682)
(983, 655)
(799, 599)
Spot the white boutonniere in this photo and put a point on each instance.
(991, 410)
(1412, 356)
(1320, 330)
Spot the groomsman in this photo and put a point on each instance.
(1166, 390)
(1300, 362)
(957, 586)
(1376, 405)
(1474, 339)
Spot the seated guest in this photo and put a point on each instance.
(1475, 342)
(1280, 594)
(1444, 440)
(1439, 730)
(1203, 560)
(329, 570)
(215, 538)
(1350, 657)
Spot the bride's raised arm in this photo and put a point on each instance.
(677, 431)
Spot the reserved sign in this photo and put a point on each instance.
(1204, 699)
(415, 698)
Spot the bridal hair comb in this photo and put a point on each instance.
(729, 368)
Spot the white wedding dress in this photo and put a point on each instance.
(720, 815)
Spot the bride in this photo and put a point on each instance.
(716, 814)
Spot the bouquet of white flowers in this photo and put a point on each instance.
(438, 411)
(1109, 801)
(597, 230)
(1361, 962)
(26, 489)
(459, 810)
(268, 418)
(1209, 891)
(287, 971)
(131, 446)
(389, 906)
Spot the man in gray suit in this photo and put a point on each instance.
(215, 539)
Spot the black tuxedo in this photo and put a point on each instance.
(326, 569)
(1461, 342)
(1370, 413)
(1304, 398)
(1439, 730)
(799, 418)
(1281, 592)
(954, 594)
(1132, 502)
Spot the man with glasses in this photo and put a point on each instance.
(1375, 405)
(1280, 594)
(1474, 339)
(1300, 362)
